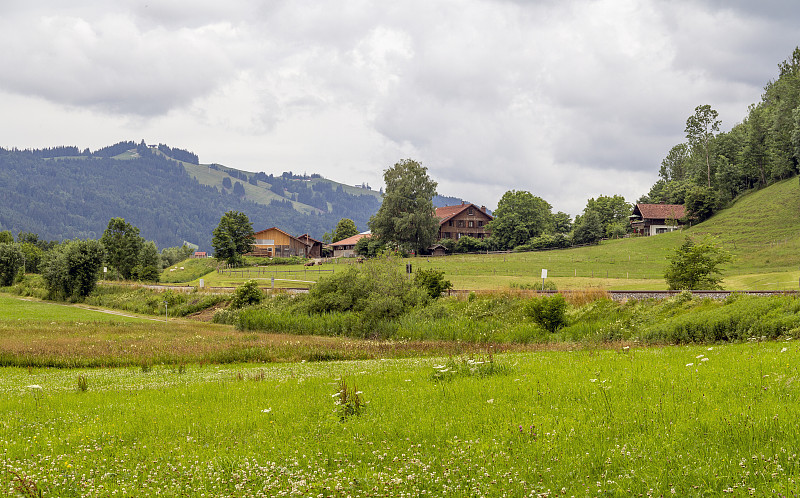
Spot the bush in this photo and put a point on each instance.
(72, 271)
(10, 263)
(549, 312)
(432, 281)
(247, 294)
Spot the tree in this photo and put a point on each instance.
(238, 189)
(588, 230)
(122, 246)
(344, 229)
(519, 217)
(700, 203)
(673, 167)
(149, 263)
(696, 266)
(406, 216)
(6, 237)
(247, 294)
(700, 128)
(612, 212)
(226, 182)
(72, 270)
(11, 259)
(233, 237)
(562, 223)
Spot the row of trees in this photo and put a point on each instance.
(72, 268)
(522, 221)
(711, 168)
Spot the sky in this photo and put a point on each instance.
(566, 99)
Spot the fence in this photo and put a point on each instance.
(262, 272)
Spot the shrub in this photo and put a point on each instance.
(549, 312)
(247, 294)
(432, 281)
(10, 263)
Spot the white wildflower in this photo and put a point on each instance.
(689, 364)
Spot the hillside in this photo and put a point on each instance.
(64, 193)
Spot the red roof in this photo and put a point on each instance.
(350, 241)
(660, 211)
(447, 212)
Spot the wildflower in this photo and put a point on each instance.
(699, 356)
(266, 410)
(592, 380)
(784, 350)
(490, 401)
(704, 359)
(35, 386)
(689, 364)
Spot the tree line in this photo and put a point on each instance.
(71, 268)
(711, 168)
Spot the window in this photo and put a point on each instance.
(450, 223)
(469, 212)
(460, 223)
(471, 223)
(480, 223)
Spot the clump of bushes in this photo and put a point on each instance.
(549, 312)
(247, 294)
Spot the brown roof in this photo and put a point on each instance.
(447, 212)
(349, 241)
(308, 238)
(285, 233)
(660, 211)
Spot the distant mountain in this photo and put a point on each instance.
(63, 192)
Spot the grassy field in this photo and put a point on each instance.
(683, 421)
(40, 334)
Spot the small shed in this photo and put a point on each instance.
(437, 250)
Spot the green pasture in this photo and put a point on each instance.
(673, 421)
(14, 310)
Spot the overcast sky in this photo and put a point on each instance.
(567, 99)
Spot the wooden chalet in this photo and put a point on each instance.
(314, 246)
(652, 219)
(344, 247)
(274, 242)
(465, 220)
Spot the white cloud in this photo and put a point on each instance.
(568, 100)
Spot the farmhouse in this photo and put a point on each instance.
(345, 247)
(274, 242)
(652, 219)
(465, 220)
(314, 245)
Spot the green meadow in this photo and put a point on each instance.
(683, 421)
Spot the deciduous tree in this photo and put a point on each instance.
(345, 228)
(72, 270)
(10, 263)
(519, 217)
(122, 245)
(406, 216)
(700, 129)
(696, 266)
(233, 237)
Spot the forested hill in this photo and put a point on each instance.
(63, 193)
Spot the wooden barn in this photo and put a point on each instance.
(314, 245)
(274, 242)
